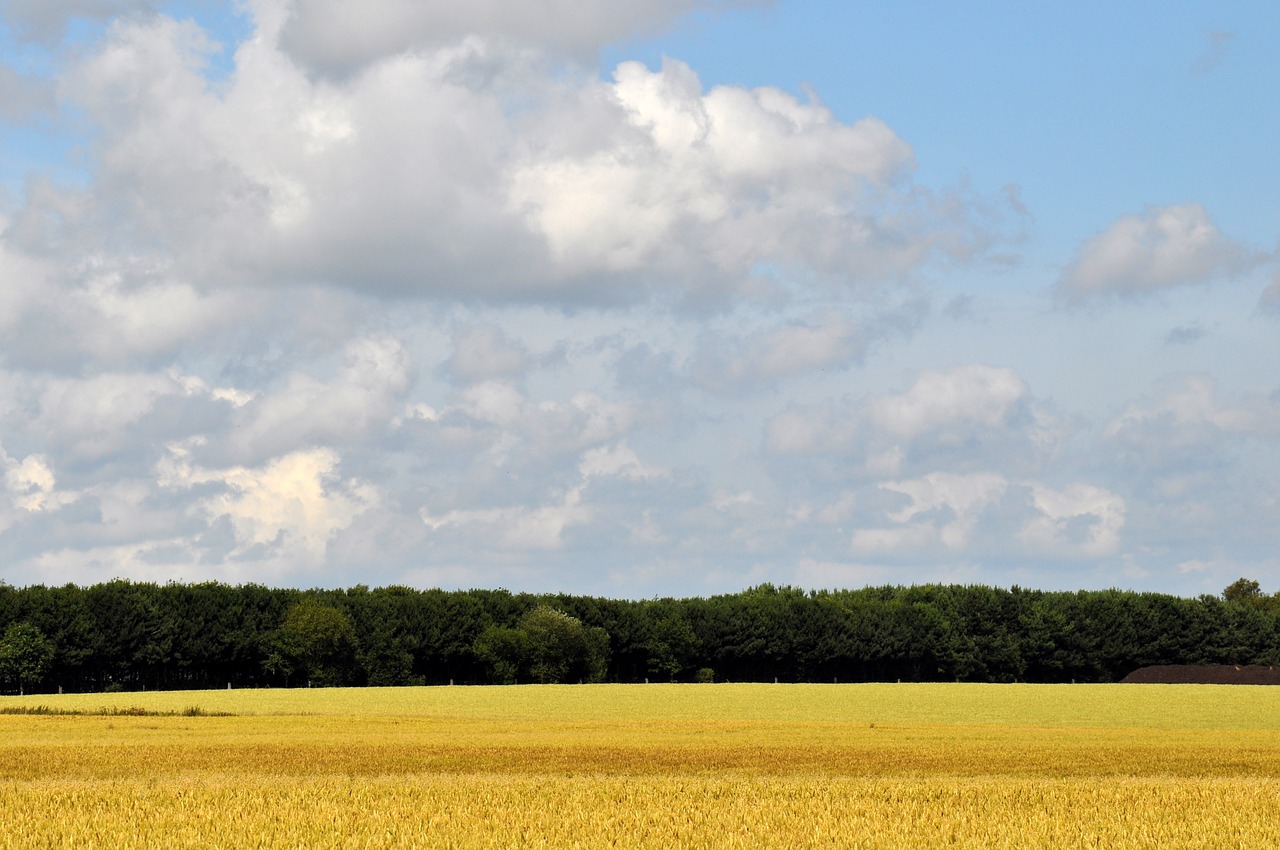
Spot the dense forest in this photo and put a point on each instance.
(126, 635)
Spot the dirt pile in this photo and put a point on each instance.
(1194, 674)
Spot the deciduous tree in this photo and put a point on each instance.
(25, 655)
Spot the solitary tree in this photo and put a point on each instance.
(25, 655)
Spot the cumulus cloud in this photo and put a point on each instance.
(959, 499)
(112, 424)
(954, 465)
(1199, 458)
(979, 395)
(964, 418)
(542, 524)
(519, 527)
(618, 460)
(716, 182)
(25, 279)
(1193, 404)
(417, 177)
(367, 392)
(30, 487)
(92, 418)
(975, 513)
(744, 355)
(1081, 519)
(493, 429)
(286, 510)
(1161, 248)
(812, 429)
(106, 313)
(728, 366)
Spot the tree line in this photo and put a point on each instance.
(124, 635)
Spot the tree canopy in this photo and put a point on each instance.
(139, 635)
(25, 655)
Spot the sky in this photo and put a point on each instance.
(640, 298)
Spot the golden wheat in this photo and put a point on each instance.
(660, 766)
(694, 812)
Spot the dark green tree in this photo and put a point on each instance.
(561, 649)
(672, 644)
(505, 652)
(25, 655)
(315, 643)
(546, 646)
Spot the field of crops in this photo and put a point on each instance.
(887, 766)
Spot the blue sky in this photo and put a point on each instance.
(639, 298)
(1161, 102)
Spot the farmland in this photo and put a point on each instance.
(646, 766)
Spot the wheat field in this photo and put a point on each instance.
(875, 766)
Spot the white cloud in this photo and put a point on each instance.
(1164, 247)
(492, 448)
(91, 418)
(518, 527)
(106, 310)
(30, 487)
(365, 394)
(541, 520)
(1079, 520)
(728, 365)
(962, 419)
(495, 402)
(1191, 405)
(973, 514)
(976, 395)
(958, 500)
(418, 177)
(620, 460)
(713, 183)
(286, 510)
(118, 315)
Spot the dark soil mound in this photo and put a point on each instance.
(1217, 674)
